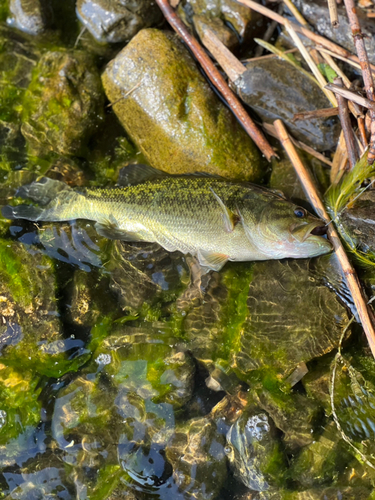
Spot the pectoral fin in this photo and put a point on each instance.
(212, 260)
(111, 231)
(230, 218)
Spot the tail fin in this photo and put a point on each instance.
(22, 212)
(42, 191)
(63, 203)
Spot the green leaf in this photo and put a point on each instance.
(327, 71)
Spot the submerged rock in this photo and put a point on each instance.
(117, 20)
(312, 318)
(63, 103)
(172, 114)
(253, 451)
(277, 90)
(196, 452)
(315, 12)
(31, 16)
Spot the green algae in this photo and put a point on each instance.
(19, 404)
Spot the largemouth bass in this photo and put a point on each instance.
(207, 217)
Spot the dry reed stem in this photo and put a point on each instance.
(270, 129)
(313, 67)
(318, 39)
(352, 96)
(346, 125)
(295, 12)
(268, 56)
(344, 59)
(365, 66)
(348, 271)
(217, 80)
(332, 7)
(340, 160)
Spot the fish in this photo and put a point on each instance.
(208, 217)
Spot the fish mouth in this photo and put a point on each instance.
(304, 231)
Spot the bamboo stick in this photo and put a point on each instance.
(348, 271)
(217, 80)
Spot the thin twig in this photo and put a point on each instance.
(348, 271)
(362, 131)
(318, 39)
(125, 95)
(270, 129)
(352, 96)
(365, 66)
(340, 160)
(332, 6)
(269, 32)
(320, 78)
(317, 113)
(217, 79)
(346, 125)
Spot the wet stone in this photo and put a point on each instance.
(63, 103)
(315, 12)
(31, 16)
(172, 114)
(276, 90)
(217, 26)
(116, 21)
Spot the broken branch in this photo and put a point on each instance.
(217, 79)
(348, 271)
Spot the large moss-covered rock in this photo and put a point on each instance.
(277, 90)
(117, 20)
(63, 103)
(172, 114)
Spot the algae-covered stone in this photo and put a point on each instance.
(217, 26)
(172, 114)
(63, 103)
(117, 20)
(30, 333)
(31, 16)
(244, 21)
(277, 90)
(197, 455)
(312, 318)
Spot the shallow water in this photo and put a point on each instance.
(125, 374)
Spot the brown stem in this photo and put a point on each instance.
(365, 66)
(348, 271)
(362, 131)
(320, 40)
(217, 80)
(351, 96)
(332, 6)
(346, 125)
(316, 113)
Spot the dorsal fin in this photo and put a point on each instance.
(137, 173)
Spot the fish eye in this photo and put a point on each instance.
(299, 212)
